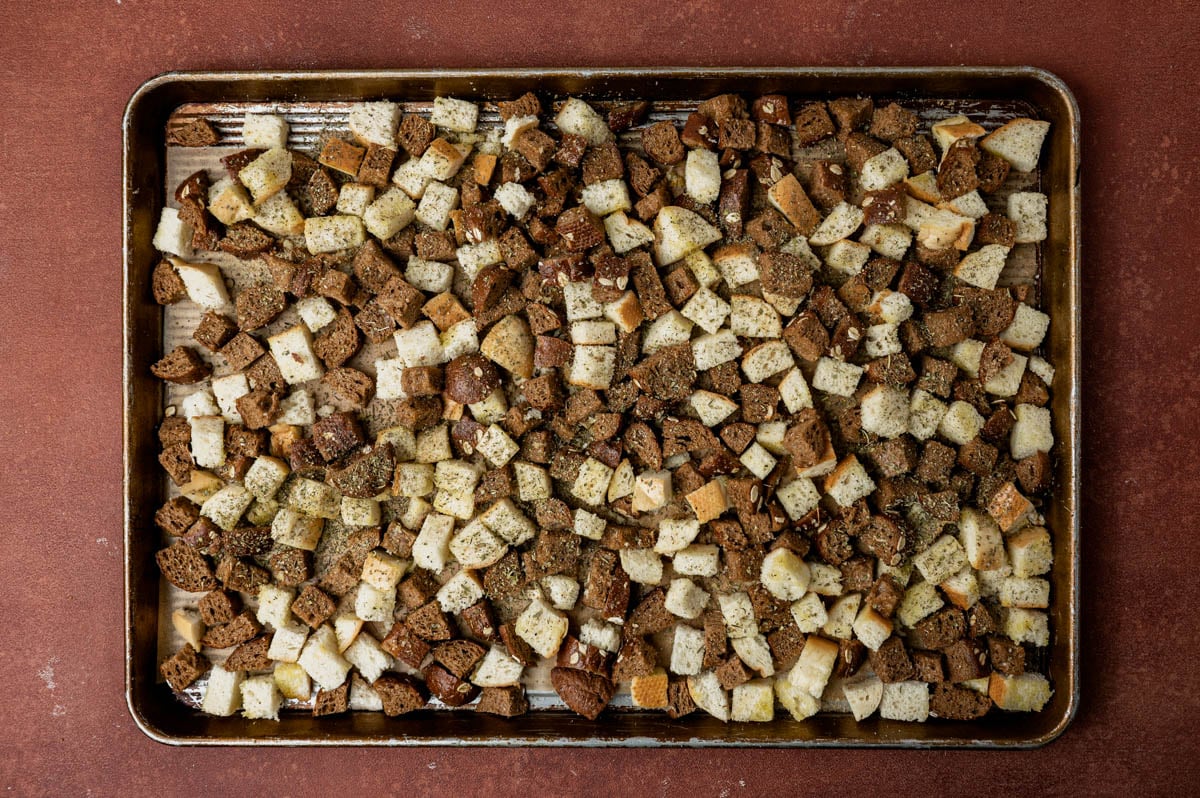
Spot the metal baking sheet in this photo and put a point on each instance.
(313, 102)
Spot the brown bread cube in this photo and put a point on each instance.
(350, 385)
(417, 589)
(321, 193)
(219, 607)
(737, 134)
(337, 435)
(1006, 656)
(192, 133)
(928, 667)
(244, 240)
(214, 331)
(258, 409)
(732, 672)
(891, 662)
(939, 630)
(313, 606)
(376, 166)
(480, 621)
(661, 143)
(722, 107)
(585, 693)
(894, 457)
(851, 113)
(251, 655)
(580, 229)
(242, 350)
(185, 568)
(398, 541)
(291, 567)
(182, 365)
(525, 105)
(992, 171)
(606, 587)
(637, 657)
(242, 441)
(332, 702)
(174, 429)
(850, 658)
(603, 162)
(679, 700)
(958, 703)
(680, 285)
(978, 457)
(786, 644)
(400, 694)
(176, 516)
(858, 574)
(237, 161)
(648, 206)
(515, 248)
(507, 702)
(669, 373)
(993, 228)
(376, 324)
(258, 306)
(176, 460)
(893, 122)
(1035, 473)
(237, 573)
(248, 541)
(342, 156)
(918, 151)
(373, 268)
(886, 206)
(184, 667)
(459, 657)
(243, 627)
(774, 140)
(950, 326)
(570, 150)
(699, 132)
(430, 623)
(771, 108)
(895, 370)
(861, 148)
(338, 286)
(965, 660)
(404, 644)
(737, 436)
(342, 576)
(650, 616)
(812, 124)
(759, 403)
(829, 185)
(574, 654)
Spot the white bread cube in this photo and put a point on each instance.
(373, 604)
(799, 704)
(923, 187)
(436, 204)
(460, 339)
(474, 258)
(382, 570)
(846, 258)
(809, 613)
(892, 307)
(697, 560)
(814, 667)
(267, 174)
(982, 268)
(279, 215)
(579, 302)
(580, 119)
(758, 461)
(225, 507)
(949, 130)
(203, 283)
(678, 232)
(967, 356)
(411, 177)
(708, 501)
(652, 490)
(981, 539)
(346, 629)
(784, 575)
(755, 653)
(228, 202)
(1007, 381)
(969, 204)
(353, 198)
(420, 345)
(262, 513)
(841, 615)
(889, 240)
(826, 579)
(708, 311)
(333, 233)
(199, 403)
(1025, 592)
(1031, 432)
(223, 696)
(453, 114)
(989, 581)
(703, 269)
(476, 546)
(375, 123)
(292, 681)
(321, 660)
(1028, 210)
(1027, 330)
(753, 702)
(606, 196)
(883, 170)
(625, 234)
(905, 701)
(413, 479)
(173, 236)
(676, 534)
(188, 625)
(738, 612)
(431, 549)
(363, 697)
(644, 566)
(962, 589)
(710, 351)
(514, 126)
(459, 592)
(737, 264)
(299, 531)
(919, 602)
(297, 409)
(441, 161)
(1018, 141)
(429, 275)
(925, 412)
(942, 560)
(591, 483)
(770, 435)
(589, 525)
(542, 627)
(711, 408)
(1024, 692)
(939, 229)
(360, 512)
(200, 485)
(498, 668)
(848, 482)
(404, 443)
(872, 628)
(315, 312)
(863, 693)
(562, 590)
(960, 424)
(1030, 552)
(533, 482)
(515, 199)
(622, 482)
(794, 391)
(799, 246)
(389, 374)
(836, 377)
(702, 176)
(496, 445)
(453, 504)
(1027, 626)
(390, 213)
(766, 360)
(669, 329)
(508, 522)
(593, 367)
(208, 440)
(751, 317)
(288, 642)
(885, 411)
(708, 695)
(314, 498)
(840, 224)
(366, 655)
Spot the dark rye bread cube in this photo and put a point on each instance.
(928, 666)
(337, 435)
(918, 151)
(247, 541)
(192, 133)
(176, 516)
(480, 621)
(430, 623)
(417, 589)
(504, 579)
(885, 595)
(937, 460)
(637, 657)
(518, 649)
(650, 616)
(603, 162)
(893, 122)
(332, 702)
(244, 349)
(244, 240)
(732, 672)
(182, 365)
(242, 575)
(891, 662)
(291, 567)
(786, 644)
(580, 229)
(166, 285)
(850, 658)
(405, 645)
(186, 568)
(661, 143)
(958, 703)
(1006, 656)
(184, 667)
(376, 166)
(400, 693)
(365, 473)
(218, 607)
(812, 123)
(737, 134)
(585, 693)
(679, 699)
(858, 574)
(861, 148)
(350, 385)
(243, 627)
(507, 702)
(966, 659)
(251, 655)
(313, 606)
(956, 173)
(992, 171)
(448, 688)
(214, 331)
(939, 630)
(459, 657)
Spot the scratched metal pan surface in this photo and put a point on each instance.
(313, 101)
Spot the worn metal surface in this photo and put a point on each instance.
(312, 101)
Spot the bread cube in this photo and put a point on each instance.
(872, 628)
(951, 129)
(476, 546)
(593, 367)
(1030, 552)
(383, 571)
(606, 196)
(459, 592)
(496, 445)
(498, 668)
(173, 236)
(622, 482)
(460, 339)
(360, 512)
(889, 240)
(625, 234)
(431, 549)
(457, 476)
(363, 697)
(707, 310)
(766, 360)
(333, 233)
(737, 264)
(687, 651)
(750, 317)
(223, 695)
(678, 232)
(296, 409)
(799, 704)
(962, 589)
(711, 350)
(925, 412)
(669, 329)
(1027, 626)
(203, 282)
(969, 204)
(863, 694)
(885, 411)
(836, 377)
(1025, 592)
(840, 224)
(288, 641)
(961, 423)
(314, 498)
(433, 445)
(982, 268)
(1024, 692)
(413, 175)
(373, 604)
(784, 575)
(542, 627)
(267, 174)
(453, 504)
(225, 507)
(228, 202)
(279, 215)
(188, 625)
(676, 534)
(580, 119)
(292, 681)
(436, 205)
(697, 560)
(419, 345)
(1031, 432)
(375, 123)
(261, 698)
(1028, 210)
(841, 614)
(441, 161)
(321, 660)
(591, 483)
(353, 198)
(809, 613)
(755, 653)
(562, 590)
(208, 441)
(1027, 331)
(702, 176)
(533, 482)
(814, 667)
(515, 199)
(453, 114)
(199, 403)
(1018, 141)
(919, 602)
(711, 408)
(738, 612)
(366, 655)
(942, 560)
(346, 628)
(905, 701)
(848, 482)
(650, 691)
(758, 461)
(981, 540)
(883, 170)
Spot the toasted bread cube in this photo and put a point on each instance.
(889, 240)
(346, 628)
(461, 591)
(267, 174)
(710, 351)
(390, 213)
(794, 391)
(766, 360)
(433, 445)
(373, 604)
(419, 345)
(905, 701)
(967, 356)
(458, 477)
(969, 204)
(275, 606)
(294, 529)
(702, 176)
(625, 234)
(383, 571)
(366, 655)
(296, 409)
(292, 681)
(687, 651)
(751, 317)
(316, 312)
(321, 660)
(389, 376)
(942, 560)
(498, 668)
(223, 696)
(847, 258)
(225, 507)
(675, 534)
(840, 224)
(606, 196)
(650, 692)
(711, 408)
(591, 483)
(708, 694)
(669, 329)
(919, 602)
(542, 627)
(363, 697)
(476, 546)
(413, 175)
(981, 540)
(679, 232)
(1018, 141)
(203, 282)
(738, 612)
(279, 215)
(795, 700)
(580, 119)
(1031, 433)
(515, 199)
(208, 441)
(755, 653)
(533, 482)
(989, 581)
(644, 566)
(923, 187)
(508, 522)
(1024, 692)
(758, 461)
(960, 424)
(885, 411)
(836, 377)
(1026, 332)
(1027, 593)
(1028, 210)
(949, 130)
(436, 204)
(589, 525)
(883, 170)
(798, 497)
(982, 268)
(707, 310)
(293, 351)
(702, 268)
(848, 482)
(261, 698)
(809, 613)
(1007, 381)
(579, 302)
(962, 589)
(353, 198)
(429, 275)
(264, 131)
(473, 258)
(453, 114)
(863, 694)
(753, 701)
(173, 236)
(413, 479)
(601, 634)
(431, 549)
(200, 486)
(333, 233)
(708, 501)
(188, 625)
(1030, 552)
(497, 446)
(375, 123)
(227, 390)
(1027, 626)
(841, 615)
(882, 340)
(288, 642)
(737, 264)
(593, 367)
(812, 671)
(697, 560)
(562, 590)
(925, 412)
(441, 161)
(228, 202)
(784, 575)
(622, 482)
(453, 504)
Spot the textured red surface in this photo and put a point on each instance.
(66, 71)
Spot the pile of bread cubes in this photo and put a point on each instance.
(735, 415)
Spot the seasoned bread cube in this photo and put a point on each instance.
(1027, 330)
(883, 170)
(889, 240)
(697, 559)
(225, 507)
(375, 123)
(711, 350)
(476, 546)
(836, 377)
(644, 566)
(516, 199)
(961, 423)
(982, 268)
(625, 234)
(736, 263)
(679, 232)
(871, 628)
(708, 311)
(848, 482)
(390, 213)
(905, 701)
(460, 591)
(606, 196)
(264, 131)
(228, 202)
(1027, 593)
(766, 360)
(702, 176)
(795, 700)
(1024, 692)
(785, 575)
(383, 571)
(436, 205)
(373, 604)
(333, 233)
(580, 119)
(1027, 626)
(686, 599)
(204, 284)
(707, 694)
(864, 694)
(758, 461)
(431, 550)
(687, 651)
(440, 162)
(173, 236)
(840, 224)
(941, 560)
(675, 534)
(753, 702)
(223, 695)
(1031, 432)
(981, 540)
(460, 116)
(498, 668)
(261, 698)
(794, 391)
(1028, 210)
(920, 601)
(1018, 141)
(1030, 552)
(542, 627)
(885, 411)
(811, 672)
(749, 317)
(840, 623)
(591, 483)
(809, 613)
(353, 198)
(267, 174)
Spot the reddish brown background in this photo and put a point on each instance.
(66, 71)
